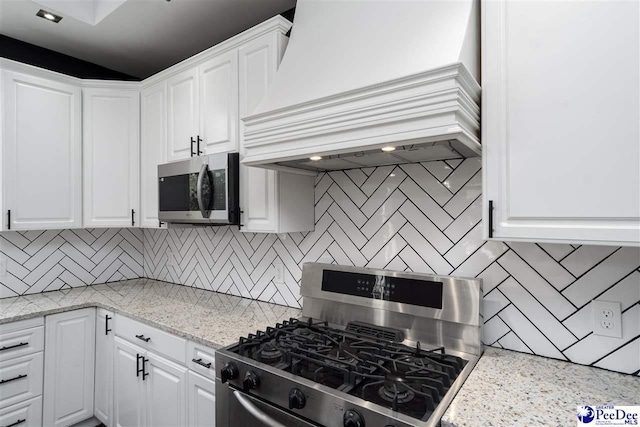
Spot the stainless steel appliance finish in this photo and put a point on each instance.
(456, 326)
(201, 190)
(385, 340)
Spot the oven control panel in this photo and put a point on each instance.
(425, 293)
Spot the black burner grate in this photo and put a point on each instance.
(373, 366)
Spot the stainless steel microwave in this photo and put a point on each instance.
(201, 190)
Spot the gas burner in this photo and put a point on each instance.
(394, 389)
(303, 332)
(270, 354)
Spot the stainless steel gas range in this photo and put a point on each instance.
(373, 348)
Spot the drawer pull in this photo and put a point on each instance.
(201, 363)
(16, 423)
(9, 347)
(13, 379)
(143, 338)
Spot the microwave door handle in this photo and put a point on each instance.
(255, 411)
(203, 172)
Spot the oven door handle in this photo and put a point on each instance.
(255, 411)
(204, 171)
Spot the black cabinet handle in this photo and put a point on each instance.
(13, 379)
(9, 347)
(490, 219)
(145, 374)
(138, 370)
(16, 423)
(143, 338)
(160, 223)
(106, 324)
(133, 221)
(9, 219)
(198, 145)
(192, 142)
(201, 363)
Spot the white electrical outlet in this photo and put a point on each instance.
(3, 267)
(169, 259)
(278, 273)
(607, 319)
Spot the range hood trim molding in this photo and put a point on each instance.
(441, 104)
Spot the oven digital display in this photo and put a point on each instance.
(424, 293)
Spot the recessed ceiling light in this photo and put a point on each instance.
(49, 16)
(388, 149)
(315, 158)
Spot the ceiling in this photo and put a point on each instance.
(141, 37)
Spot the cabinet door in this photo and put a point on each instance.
(258, 62)
(111, 157)
(218, 85)
(103, 394)
(128, 387)
(69, 367)
(166, 392)
(560, 112)
(153, 149)
(42, 153)
(182, 113)
(202, 401)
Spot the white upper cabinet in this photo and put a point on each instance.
(183, 114)
(111, 144)
(272, 202)
(218, 86)
(560, 121)
(153, 149)
(41, 153)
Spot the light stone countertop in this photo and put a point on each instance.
(507, 388)
(210, 318)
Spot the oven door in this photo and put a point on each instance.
(237, 409)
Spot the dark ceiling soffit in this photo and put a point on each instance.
(37, 56)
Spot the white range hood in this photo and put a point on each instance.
(359, 75)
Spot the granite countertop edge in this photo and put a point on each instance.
(116, 310)
(137, 312)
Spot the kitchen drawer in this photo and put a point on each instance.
(204, 355)
(23, 414)
(151, 338)
(19, 342)
(20, 379)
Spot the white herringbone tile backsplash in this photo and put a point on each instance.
(39, 261)
(415, 217)
(426, 218)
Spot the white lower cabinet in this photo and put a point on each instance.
(202, 401)
(103, 393)
(22, 378)
(166, 392)
(128, 389)
(149, 390)
(23, 414)
(69, 367)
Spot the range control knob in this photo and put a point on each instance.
(297, 400)
(353, 419)
(229, 372)
(251, 381)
